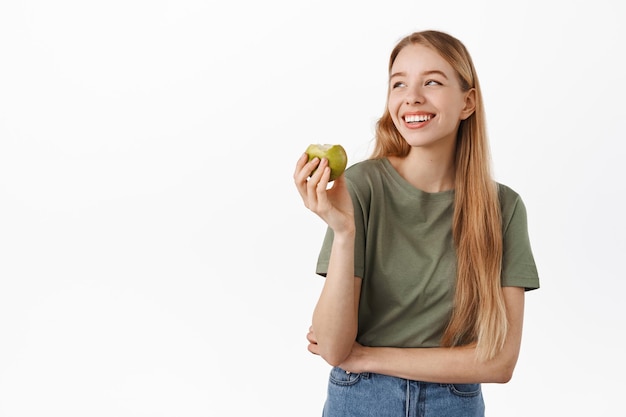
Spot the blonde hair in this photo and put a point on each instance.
(479, 314)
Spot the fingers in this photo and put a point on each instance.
(299, 165)
(312, 347)
(318, 182)
(310, 336)
(304, 169)
(311, 178)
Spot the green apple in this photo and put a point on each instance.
(336, 155)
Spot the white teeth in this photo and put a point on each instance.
(417, 118)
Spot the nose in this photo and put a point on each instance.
(414, 95)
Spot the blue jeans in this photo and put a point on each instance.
(375, 395)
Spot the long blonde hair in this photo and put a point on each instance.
(479, 314)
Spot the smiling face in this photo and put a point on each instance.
(426, 102)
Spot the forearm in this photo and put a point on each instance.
(442, 365)
(335, 315)
(447, 365)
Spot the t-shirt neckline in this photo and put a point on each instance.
(410, 188)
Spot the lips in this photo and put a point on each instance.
(417, 119)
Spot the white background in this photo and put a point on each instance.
(155, 258)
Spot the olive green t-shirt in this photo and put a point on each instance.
(405, 254)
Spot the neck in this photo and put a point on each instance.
(427, 170)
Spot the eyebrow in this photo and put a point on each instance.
(425, 73)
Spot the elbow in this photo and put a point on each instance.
(332, 361)
(504, 373)
(504, 377)
(334, 355)
(500, 369)
(334, 358)
(335, 350)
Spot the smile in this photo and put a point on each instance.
(417, 118)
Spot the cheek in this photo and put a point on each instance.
(460, 105)
(394, 116)
(393, 106)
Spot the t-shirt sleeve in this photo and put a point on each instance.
(324, 255)
(359, 242)
(518, 263)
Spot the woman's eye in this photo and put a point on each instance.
(432, 82)
(398, 84)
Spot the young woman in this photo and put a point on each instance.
(426, 258)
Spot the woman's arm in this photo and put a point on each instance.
(335, 314)
(444, 365)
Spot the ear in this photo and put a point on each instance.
(470, 104)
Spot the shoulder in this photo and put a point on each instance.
(511, 204)
(365, 179)
(366, 173)
(367, 167)
(507, 194)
